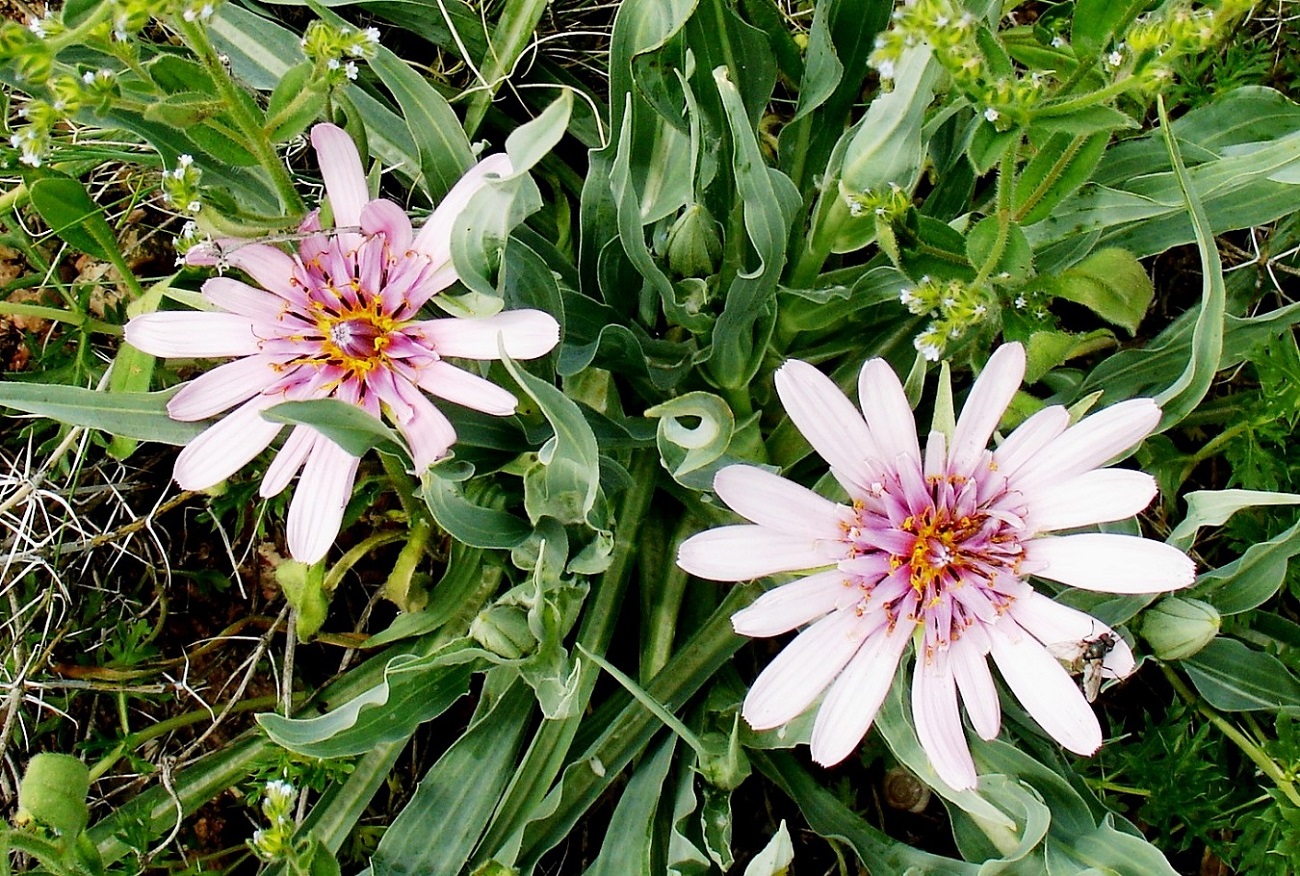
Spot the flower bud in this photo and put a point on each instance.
(503, 630)
(1177, 627)
(694, 247)
(34, 64)
(14, 39)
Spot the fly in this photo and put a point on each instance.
(1085, 657)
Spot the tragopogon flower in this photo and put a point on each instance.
(935, 550)
(339, 318)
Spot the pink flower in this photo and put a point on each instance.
(935, 550)
(337, 319)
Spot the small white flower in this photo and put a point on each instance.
(1115, 58)
(193, 207)
(38, 27)
(333, 63)
(886, 69)
(88, 78)
(371, 35)
(206, 12)
(1058, 42)
(1021, 302)
(189, 15)
(980, 310)
(926, 348)
(350, 70)
(991, 114)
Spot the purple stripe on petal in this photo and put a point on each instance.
(270, 267)
(192, 335)
(888, 415)
(854, 698)
(739, 553)
(234, 296)
(288, 461)
(1096, 496)
(345, 179)
(386, 218)
(457, 385)
(1044, 688)
(226, 447)
(525, 334)
(1090, 442)
(1029, 439)
(829, 421)
(1110, 563)
(988, 399)
(970, 669)
(938, 723)
(768, 499)
(316, 511)
(223, 387)
(434, 238)
(795, 604)
(805, 668)
(428, 431)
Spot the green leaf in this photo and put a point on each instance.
(1061, 166)
(1233, 678)
(297, 101)
(1085, 122)
(770, 202)
(775, 858)
(1096, 22)
(629, 839)
(345, 424)
(303, 590)
(140, 415)
(1016, 259)
(515, 22)
(693, 454)
(532, 141)
(1207, 335)
(1112, 284)
(71, 214)
(413, 691)
(443, 148)
(456, 797)
(1214, 507)
(132, 368)
(1250, 580)
(564, 481)
(463, 519)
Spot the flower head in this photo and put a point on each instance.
(339, 318)
(936, 549)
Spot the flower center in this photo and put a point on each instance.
(937, 553)
(356, 339)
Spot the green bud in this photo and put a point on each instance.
(503, 630)
(66, 93)
(694, 247)
(34, 64)
(53, 792)
(1177, 627)
(723, 763)
(14, 38)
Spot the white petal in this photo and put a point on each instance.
(270, 267)
(457, 385)
(824, 416)
(192, 334)
(768, 499)
(938, 723)
(227, 446)
(855, 697)
(434, 238)
(1096, 496)
(1029, 438)
(224, 386)
(988, 400)
(316, 511)
(795, 604)
(525, 334)
(288, 461)
(1110, 563)
(739, 553)
(889, 418)
(1055, 624)
(1044, 688)
(804, 669)
(345, 178)
(428, 431)
(234, 296)
(970, 669)
(1090, 442)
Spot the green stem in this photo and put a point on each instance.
(1083, 101)
(1049, 179)
(55, 314)
(549, 750)
(1006, 191)
(354, 556)
(402, 486)
(133, 741)
(397, 589)
(251, 127)
(1247, 745)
